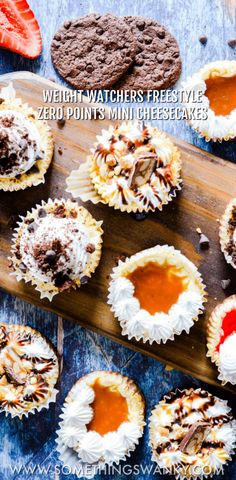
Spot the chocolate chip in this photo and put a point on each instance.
(225, 283)
(121, 258)
(232, 43)
(99, 31)
(22, 267)
(61, 122)
(90, 248)
(50, 256)
(2, 101)
(203, 39)
(32, 227)
(42, 213)
(89, 68)
(139, 216)
(84, 280)
(203, 241)
(60, 151)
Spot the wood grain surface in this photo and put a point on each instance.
(209, 183)
(28, 446)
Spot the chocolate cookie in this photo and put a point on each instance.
(157, 63)
(93, 52)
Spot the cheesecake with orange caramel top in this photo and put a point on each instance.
(217, 83)
(102, 422)
(156, 294)
(221, 339)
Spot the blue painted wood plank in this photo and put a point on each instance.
(31, 443)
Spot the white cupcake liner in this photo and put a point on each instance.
(159, 254)
(49, 290)
(27, 179)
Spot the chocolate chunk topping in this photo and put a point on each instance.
(84, 280)
(204, 241)
(232, 43)
(203, 39)
(90, 248)
(50, 256)
(142, 170)
(61, 122)
(194, 438)
(42, 213)
(23, 267)
(225, 283)
(32, 227)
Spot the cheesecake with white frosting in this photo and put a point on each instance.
(102, 422)
(26, 144)
(156, 294)
(56, 246)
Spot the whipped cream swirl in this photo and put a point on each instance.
(19, 144)
(52, 247)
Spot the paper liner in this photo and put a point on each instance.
(225, 68)
(51, 379)
(136, 405)
(85, 183)
(152, 432)
(158, 254)
(214, 332)
(49, 290)
(224, 233)
(29, 178)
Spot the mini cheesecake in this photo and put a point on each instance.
(56, 246)
(156, 294)
(221, 339)
(133, 168)
(192, 434)
(217, 82)
(102, 422)
(228, 233)
(29, 370)
(26, 144)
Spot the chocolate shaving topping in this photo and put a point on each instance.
(90, 248)
(194, 438)
(142, 170)
(42, 213)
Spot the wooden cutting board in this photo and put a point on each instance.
(209, 183)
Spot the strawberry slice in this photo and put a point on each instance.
(19, 30)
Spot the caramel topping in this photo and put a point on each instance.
(221, 92)
(110, 409)
(157, 287)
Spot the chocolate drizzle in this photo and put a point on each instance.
(231, 247)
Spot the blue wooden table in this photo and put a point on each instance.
(29, 445)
